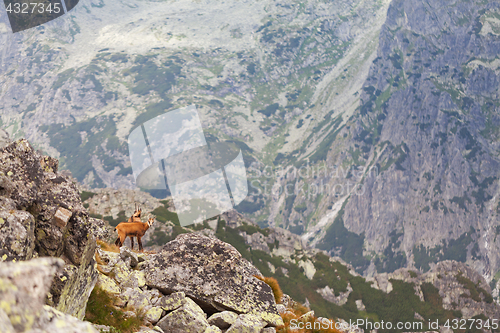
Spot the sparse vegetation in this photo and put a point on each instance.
(100, 310)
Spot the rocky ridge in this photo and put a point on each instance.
(51, 289)
(193, 284)
(460, 290)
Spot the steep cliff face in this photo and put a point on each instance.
(425, 139)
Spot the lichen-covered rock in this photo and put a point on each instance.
(172, 301)
(126, 253)
(23, 287)
(76, 292)
(121, 272)
(108, 285)
(247, 323)
(223, 320)
(136, 279)
(212, 272)
(54, 222)
(4, 138)
(136, 299)
(17, 235)
(153, 315)
(213, 329)
(5, 323)
(55, 321)
(189, 318)
(99, 229)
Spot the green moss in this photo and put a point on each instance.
(100, 310)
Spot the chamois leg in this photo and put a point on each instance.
(140, 243)
(131, 242)
(117, 242)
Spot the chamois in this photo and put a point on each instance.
(132, 229)
(136, 217)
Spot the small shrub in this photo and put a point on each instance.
(309, 324)
(273, 283)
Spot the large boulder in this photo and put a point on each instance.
(23, 288)
(17, 235)
(41, 214)
(214, 274)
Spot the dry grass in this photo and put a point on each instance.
(108, 247)
(308, 324)
(273, 283)
(291, 317)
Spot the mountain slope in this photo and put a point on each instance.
(258, 72)
(421, 152)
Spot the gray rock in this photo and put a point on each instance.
(76, 289)
(268, 330)
(136, 299)
(153, 315)
(125, 253)
(55, 321)
(189, 318)
(108, 285)
(247, 323)
(17, 235)
(212, 272)
(102, 328)
(24, 288)
(33, 184)
(172, 301)
(99, 229)
(281, 308)
(5, 323)
(223, 320)
(213, 329)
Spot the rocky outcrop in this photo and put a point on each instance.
(194, 284)
(23, 289)
(41, 214)
(213, 273)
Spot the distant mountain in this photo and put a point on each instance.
(259, 73)
(369, 129)
(418, 167)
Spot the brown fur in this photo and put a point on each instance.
(132, 229)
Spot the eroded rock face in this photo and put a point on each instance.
(23, 288)
(214, 273)
(41, 214)
(17, 234)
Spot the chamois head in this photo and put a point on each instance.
(136, 217)
(151, 220)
